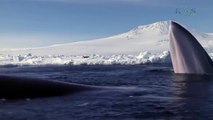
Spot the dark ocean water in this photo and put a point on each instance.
(134, 92)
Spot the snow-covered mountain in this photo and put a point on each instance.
(152, 38)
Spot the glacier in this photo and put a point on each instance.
(94, 59)
(141, 45)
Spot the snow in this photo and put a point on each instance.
(143, 44)
(93, 59)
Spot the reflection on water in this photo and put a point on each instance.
(196, 92)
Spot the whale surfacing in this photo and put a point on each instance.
(187, 55)
(21, 88)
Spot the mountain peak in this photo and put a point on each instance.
(161, 27)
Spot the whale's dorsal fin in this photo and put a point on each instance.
(187, 55)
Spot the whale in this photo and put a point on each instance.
(187, 54)
(14, 87)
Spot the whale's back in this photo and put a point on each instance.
(22, 87)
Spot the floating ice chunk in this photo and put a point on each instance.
(165, 57)
(144, 55)
(154, 59)
(94, 59)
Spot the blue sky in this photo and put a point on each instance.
(33, 23)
